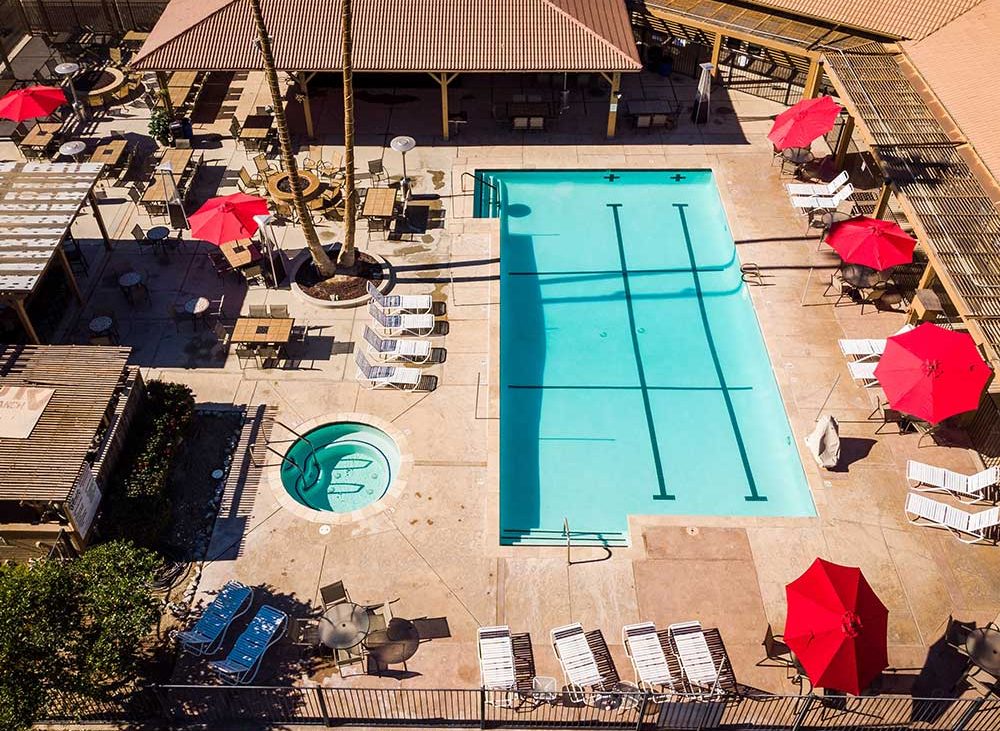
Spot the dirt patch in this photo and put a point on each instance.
(346, 284)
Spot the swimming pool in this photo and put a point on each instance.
(634, 378)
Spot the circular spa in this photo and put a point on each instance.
(340, 467)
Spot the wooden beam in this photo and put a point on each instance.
(883, 200)
(716, 52)
(161, 80)
(813, 80)
(92, 199)
(616, 85)
(927, 279)
(306, 107)
(843, 143)
(444, 78)
(22, 315)
(70, 276)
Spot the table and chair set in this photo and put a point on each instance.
(163, 187)
(651, 114)
(263, 335)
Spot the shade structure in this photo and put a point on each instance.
(932, 373)
(804, 122)
(31, 102)
(837, 627)
(227, 218)
(871, 242)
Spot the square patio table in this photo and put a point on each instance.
(110, 153)
(178, 161)
(41, 135)
(379, 203)
(256, 127)
(240, 253)
(263, 330)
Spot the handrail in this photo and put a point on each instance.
(480, 178)
(303, 437)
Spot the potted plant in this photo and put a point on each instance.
(159, 126)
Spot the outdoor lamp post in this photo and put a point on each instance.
(402, 145)
(68, 70)
(170, 194)
(267, 238)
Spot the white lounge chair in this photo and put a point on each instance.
(411, 302)
(386, 376)
(642, 645)
(866, 347)
(576, 659)
(695, 655)
(414, 351)
(401, 324)
(812, 202)
(966, 527)
(496, 662)
(864, 371)
(822, 189)
(967, 488)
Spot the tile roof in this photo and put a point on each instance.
(398, 35)
(896, 18)
(954, 62)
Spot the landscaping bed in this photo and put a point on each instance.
(346, 284)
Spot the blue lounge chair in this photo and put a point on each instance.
(243, 661)
(208, 633)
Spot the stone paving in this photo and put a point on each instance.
(436, 549)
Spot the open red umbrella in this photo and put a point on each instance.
(837, 627)
(871, 242)
(227, 218)
(31, 102)
(932, 373)
(804, 122)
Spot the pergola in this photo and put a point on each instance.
(38, 204)
(442, 38)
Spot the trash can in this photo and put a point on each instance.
(180, 129)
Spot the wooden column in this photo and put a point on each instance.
(161, 79)
(883, 200)
(927, 280)
(813, 79)
(616, 84)
(100, 219)
(444, 79)
(843, 143)
(306, 107)
(716, 52)
(22, 315)
(70, 276)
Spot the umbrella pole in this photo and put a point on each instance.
(827, 399)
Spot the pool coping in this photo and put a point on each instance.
(272, 473)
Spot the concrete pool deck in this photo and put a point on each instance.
(435, 549)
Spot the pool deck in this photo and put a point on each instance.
(435, 549)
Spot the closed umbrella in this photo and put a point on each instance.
(837, 627)
(804, 122)
(227, 218)
(932, 373)
(31, 102)
(871, 242)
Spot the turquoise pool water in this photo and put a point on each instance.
(634, 378)
(340, 467)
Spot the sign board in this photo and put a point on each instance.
(83, 501)
(20, 409)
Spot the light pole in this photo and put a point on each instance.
(402, 145)
(68, 70)
(264, 226)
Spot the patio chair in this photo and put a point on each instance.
(643, 121)
(243, 661)
(536, 123)
(245, 353)
(813, 202)
(248, 183)
(235, 129)
(520, 123)
(263, 165)
(820, 189)
(776, 652)
(305, 632)
(278, 311)
(222, 335)
(694, 655)
(966, 527)
(206, 636)
(867, 347)
(398, 302)
(496, 663)
(385, 376)
(642, 645)
(414, 351)
(577, 660)
(332, 594)
(401, 324)
(259, 311)
(967, 488)
(864, 372)
(377, 170)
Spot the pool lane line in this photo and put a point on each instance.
(657, 463)
(603, 272)
(581, 387)
(754, 495)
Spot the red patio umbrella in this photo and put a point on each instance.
(871, 242)
(31, 102)
(837, 627)
(932, 373)
(227, 218)
(804, 122)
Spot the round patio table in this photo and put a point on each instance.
(157, 233)
(196, 306)
(279, 189)
(798, 155)
(129, 279)
(859, 276)
(983, 646)
(100, 324)
(344, 625)
(395, 644)
(72, 148)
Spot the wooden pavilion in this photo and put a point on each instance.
(443, 38)
(64, 413)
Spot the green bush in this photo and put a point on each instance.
(138, 504)
(159, 126)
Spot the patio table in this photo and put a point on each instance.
(256, 127)
(859, 276)
(241, 252)
(395, 644)
(379, 203)
(110, 153)
(197, 306)
(649, 106)
(41, 135)
(529, 109)
(344, 626)
(178, 161)
(262, 330)
(983, 646)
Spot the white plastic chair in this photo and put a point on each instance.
(821, 189)
(414, 351)
(386, 376)
(694, 655)
(966, 527)
(576, 659)
(496, 663)
(813, 202)
(401, 324)
(967, 488)
(642, 645)
(393, 302)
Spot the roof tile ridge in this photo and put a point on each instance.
(192, 21)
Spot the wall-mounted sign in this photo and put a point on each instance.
(20, 409)
(83, 502)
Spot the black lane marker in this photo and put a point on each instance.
(662, 494)
(581, 387)
(753, 496)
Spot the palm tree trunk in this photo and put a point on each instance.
(346, 258)
(324, 265)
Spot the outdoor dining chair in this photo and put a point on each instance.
(333, 594)
(377, 170)
(278, 311)
(258, 311)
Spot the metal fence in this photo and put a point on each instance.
(105, 16)
(219, 706)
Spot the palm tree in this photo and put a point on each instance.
(324, 265)
(346, 257)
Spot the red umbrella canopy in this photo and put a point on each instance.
(31, 102)
(871, 242)
(837, 627)
(932, 373)
(804, 122)
(228, 218)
